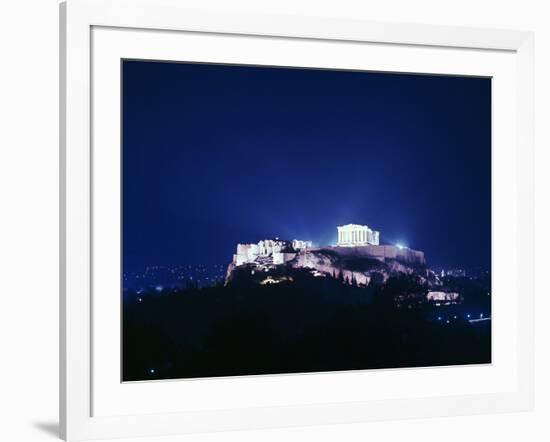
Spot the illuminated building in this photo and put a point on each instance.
(352, 235)
(269, 251)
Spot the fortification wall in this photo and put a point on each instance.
(382, 253)
(281, 258)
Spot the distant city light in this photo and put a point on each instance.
(152, 370)
(481, 315)
(439, 318)
(468, 315)
(400, 246)
(158, 288)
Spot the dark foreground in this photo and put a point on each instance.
(307, 325)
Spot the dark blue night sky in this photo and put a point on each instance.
(214, 155)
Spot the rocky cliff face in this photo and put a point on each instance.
(351, 265)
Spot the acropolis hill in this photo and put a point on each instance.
(357, 256)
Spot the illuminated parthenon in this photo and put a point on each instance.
(352, 235)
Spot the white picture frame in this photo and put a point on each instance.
(79, 309)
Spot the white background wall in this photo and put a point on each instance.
(29, 204)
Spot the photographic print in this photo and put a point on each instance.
(295, 220)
